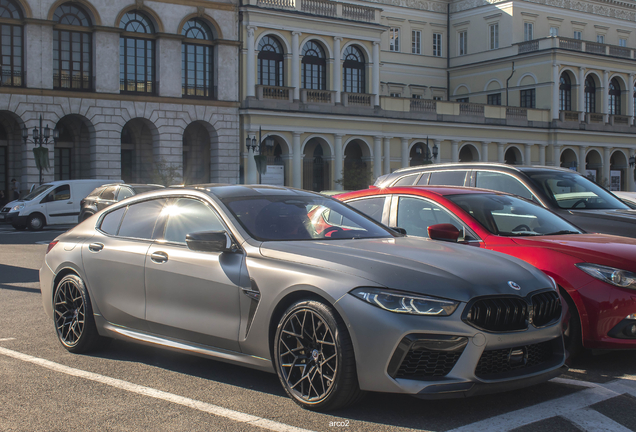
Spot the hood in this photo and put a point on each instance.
(13, 203)
(609, 250)
(447, 270)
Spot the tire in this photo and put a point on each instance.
(35, 222)
(73, 316)
(572, 336)
(19, 227)
(325, 378)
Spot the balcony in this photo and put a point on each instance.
(325, 8)
(575, 45)
(308, 96)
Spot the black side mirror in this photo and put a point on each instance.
(399, 230)
(211, 241)
(445, 232)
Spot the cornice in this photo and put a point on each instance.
(426, 5)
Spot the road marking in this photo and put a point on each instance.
(591, 420)
(157, 394)
(6, 339)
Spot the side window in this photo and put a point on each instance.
(372, 207)
(406, 180)
(60, 193)
(124, 193)
(502, 183)
(109, 193)
(448, 178)
(110, 223)
(140, 219)
(189, 216)
(95, 192)
(415, 215)
(423, 181)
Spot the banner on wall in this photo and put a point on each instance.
(615, 180)
(591, 174)
(274, 176)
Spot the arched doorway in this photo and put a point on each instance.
(619, 172)
(594, 167)
(196, 154)
(513, 156)
(10, 153)
(73, 149)
(468, 153)
(137, 156)
(420, 154)
(316, 170)
(569, 159)
(357, 173)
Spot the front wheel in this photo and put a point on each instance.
(572, 337)
(73, 316)
(35, 222)
(314, 357)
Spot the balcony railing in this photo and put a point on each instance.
(575, 45)
(569, 116)
(620, 51)
(595, 48)
(471, 109)
(571, 44)
(620, 120)
(133, 86)
(326, 8)
(357, 99)
(317, 96)
(594, 118)
(12, 78)
(423, 105)
(190, 91)
(528, 46)
(514, 113)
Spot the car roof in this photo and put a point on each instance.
(477, 165)
(238, 190)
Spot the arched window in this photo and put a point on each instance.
(565, 93)
(197, 60)
(270, 62)
(12, 41)
(72, 49)
(353, 70)
(634, 97)
(614, 97)
(314, 67)
(590, 95)
(136, 54)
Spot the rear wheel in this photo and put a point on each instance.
(35, 222)
(314, 358)
(73, 316)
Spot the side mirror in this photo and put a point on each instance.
(211, 241)
(399, 230)
(444, 232)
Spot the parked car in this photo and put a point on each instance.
(565, 192)
(53, 203)
(254, 275)
(596, 273)
(628, 198)
(109, 194)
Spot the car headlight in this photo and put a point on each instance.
(18, 207)
(611, 275)
(407, 303)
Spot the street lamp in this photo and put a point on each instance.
(40, 136)
(632, 162)
(427, 155)
(259, 149)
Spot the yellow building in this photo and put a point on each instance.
(348, 87)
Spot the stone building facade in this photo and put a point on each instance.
(137, 90)
(367, 84)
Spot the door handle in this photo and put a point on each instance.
(159, 257)
(70, 202)
(95, 247)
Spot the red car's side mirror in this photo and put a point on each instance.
(444, 232)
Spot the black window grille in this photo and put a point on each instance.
(136, 55)
(197, 60)
(72, 50)
(527, 98)
(565, 93)
(12, 44)
(270, 62)
(353, 68)
(590, 95)
(494, 99)
(614, 97)
(314, 67)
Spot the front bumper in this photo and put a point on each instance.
(13, 218)
(378, 335)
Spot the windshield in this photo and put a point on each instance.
(37, 191)
(274, 218)
(573, 191)
(506, 215)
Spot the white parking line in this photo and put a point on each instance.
(7, 339)
(157, 394)
(591, 420)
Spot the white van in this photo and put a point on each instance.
(53, 203)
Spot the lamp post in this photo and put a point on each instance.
(632, 162)
(428, 157)
(40, 136)
(259, 150)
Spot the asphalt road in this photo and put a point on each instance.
(130, 387)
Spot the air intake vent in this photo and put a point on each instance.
(547, 308)
(499, 314)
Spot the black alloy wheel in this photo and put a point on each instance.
(314, 357)
(73, 316)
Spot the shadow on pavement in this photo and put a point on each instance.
(11, 274)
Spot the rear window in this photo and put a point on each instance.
(95, 192)
(141, 218)
(110, 223)
(448, 178)
(406, 180)
(109, 193)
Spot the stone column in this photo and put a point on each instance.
(606, 167)
(387, 155)
(251, 63)
(556, 158)
(338, 161)
(296, 161)
(582, 154)
(438, 143)
(107, 62)
(454, 151)
(295, 72)
(337, 68)
(405, 152)
(484, 151)
(581, 92)
(555, 91)
(542, 148)
(169, 71)
(376, 72)
(630, 99)
(500, 152)
(604, 108)
(377, 157)
(528, 155)
(38, 63)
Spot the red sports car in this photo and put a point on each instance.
(596, 273)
